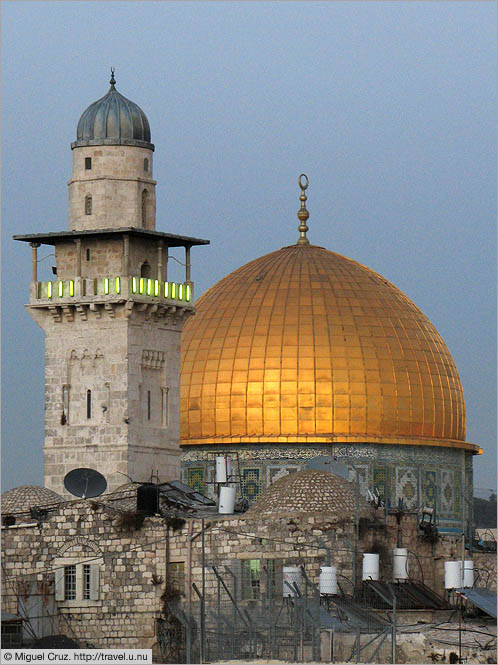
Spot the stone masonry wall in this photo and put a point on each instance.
(120, 356)
(115, 182)
(135, 558)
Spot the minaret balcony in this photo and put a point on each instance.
(111, 289)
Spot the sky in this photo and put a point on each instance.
(388, 107)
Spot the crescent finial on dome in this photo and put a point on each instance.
(113, 80)
(303, 213)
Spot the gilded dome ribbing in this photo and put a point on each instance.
(113, 120)
(304, 345)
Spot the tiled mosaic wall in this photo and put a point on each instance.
(439, 478)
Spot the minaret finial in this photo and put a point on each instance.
(303, 214)
(113, 80)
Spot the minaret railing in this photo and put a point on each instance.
(118, 287)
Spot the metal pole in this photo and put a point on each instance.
(357, 526)
(218, 624)
(201, 640)
(460, 628)
(393, 639)
(203, 618)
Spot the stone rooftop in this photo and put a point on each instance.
(310, 491)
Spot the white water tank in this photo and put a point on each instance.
(452, 574)
(223, 469)
(400, 563)
(328, 580)
(468, 573)
(227, 500)
(291, 574)
(370, 567)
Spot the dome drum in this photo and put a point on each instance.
(82, 143)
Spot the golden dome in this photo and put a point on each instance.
(306, 346)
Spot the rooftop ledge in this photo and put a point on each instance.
(81, 290)
(169, 239)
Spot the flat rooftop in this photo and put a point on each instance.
(171, 239)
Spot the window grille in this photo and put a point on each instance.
(251, 578)
(146, 164)
(69, 582)
(88, 163)
(88, 205)
(255, 578)
(195, 479)
(86, 581)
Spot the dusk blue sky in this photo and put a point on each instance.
(388, 107)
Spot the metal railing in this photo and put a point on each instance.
(68, 290)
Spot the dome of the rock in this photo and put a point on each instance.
(304, 345)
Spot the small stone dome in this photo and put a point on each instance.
(113, 120)
(310, 491)
(20, 499)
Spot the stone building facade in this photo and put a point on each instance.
(103, 574)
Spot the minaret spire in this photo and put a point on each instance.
(303, 213)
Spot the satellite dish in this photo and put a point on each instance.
(85, 483)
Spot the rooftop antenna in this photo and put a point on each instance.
(85, 483)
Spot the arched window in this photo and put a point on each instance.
(88, 205)
(144, 207)
(146, 165)
(145, 270)
(88, 404)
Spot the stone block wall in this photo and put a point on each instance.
(135, 560)
(115, 182)
(103, 259)
(120, 356)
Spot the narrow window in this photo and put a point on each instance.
(144, 207)
(145, 270)
(88, 163)
(88, 205)
(164, 406)
(146, 165)
(88, 255)
(176, 575)
(148, 405)
(86, 581)
(70, 582)
(88, 404)
(65, 403)
(251, 576)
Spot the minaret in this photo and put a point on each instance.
(111, 318)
